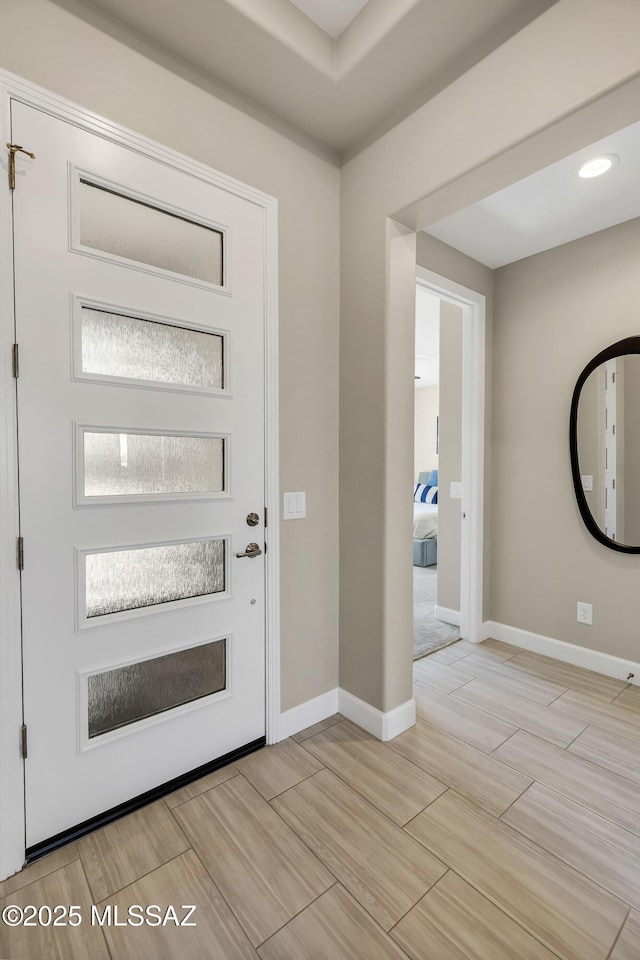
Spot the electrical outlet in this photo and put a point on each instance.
(585, 613)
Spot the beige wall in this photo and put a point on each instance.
(505, 118)
(552, 314)
(449, 520)
(426, 410)
(47, 45)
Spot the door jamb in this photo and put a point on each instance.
(473, 307)
(12, 87)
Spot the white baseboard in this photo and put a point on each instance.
(307, 713)
(384, 726)
(594, 660)
(447, 615)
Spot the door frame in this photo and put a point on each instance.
(473, 307)
(12, 795)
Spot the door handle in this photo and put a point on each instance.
(253, 550)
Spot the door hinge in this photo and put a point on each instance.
(23, 741)
(265, 516)
(13, 148)
(16, 360)
(614, 483)
(20, 553)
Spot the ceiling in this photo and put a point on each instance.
(340, 93)
(551, 207)
(333, 16)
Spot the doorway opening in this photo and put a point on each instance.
(455, 593)
(437, 473)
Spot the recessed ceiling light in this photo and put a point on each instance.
(597, 166)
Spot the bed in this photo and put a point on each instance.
(425, 524)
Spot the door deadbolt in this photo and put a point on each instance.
(253, 519)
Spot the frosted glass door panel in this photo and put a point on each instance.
(147, 465)
(123, 227)
(125, 347)
(127, 694)
(145, 576)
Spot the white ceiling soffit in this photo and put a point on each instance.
(551, 207)
(333, 16)
(391, 58)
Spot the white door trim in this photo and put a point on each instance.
(473, 421)
(12, 823)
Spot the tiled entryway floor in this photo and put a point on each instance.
(504, 826)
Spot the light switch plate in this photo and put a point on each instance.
(587, 482)
(455, 490)
(295, 506)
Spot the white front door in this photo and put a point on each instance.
(139, 295)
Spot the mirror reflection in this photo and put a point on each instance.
(608, 439)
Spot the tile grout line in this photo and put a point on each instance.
(422, 896)
(561, 793)
(204, 867)
(556, 856)
(143, 876)
(446, 693)
(519, 797)
(517, 833)
(182, 802)
(517, 675)
(418, 769)
(495, 716)
(233, 912)
(551, 662)
(328, 727)
(568, 690)
(3, 896)
(297, 784)
(222, 896)
(322, 861)
(409, 822)
(86, 880)
(335, 883)
(578, 737)
(484, 896)
(595, 763)
(530, 933)
(619, 934)
(630, 721)
(459, 739)
(624, 690)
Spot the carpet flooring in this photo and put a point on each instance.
(429, 634)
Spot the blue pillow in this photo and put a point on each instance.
(425, 494)
(432, 479)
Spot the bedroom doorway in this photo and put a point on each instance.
(437, 473)
(454, 596)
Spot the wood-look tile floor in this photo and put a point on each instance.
(504, 826)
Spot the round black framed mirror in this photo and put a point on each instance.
(604, 441)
